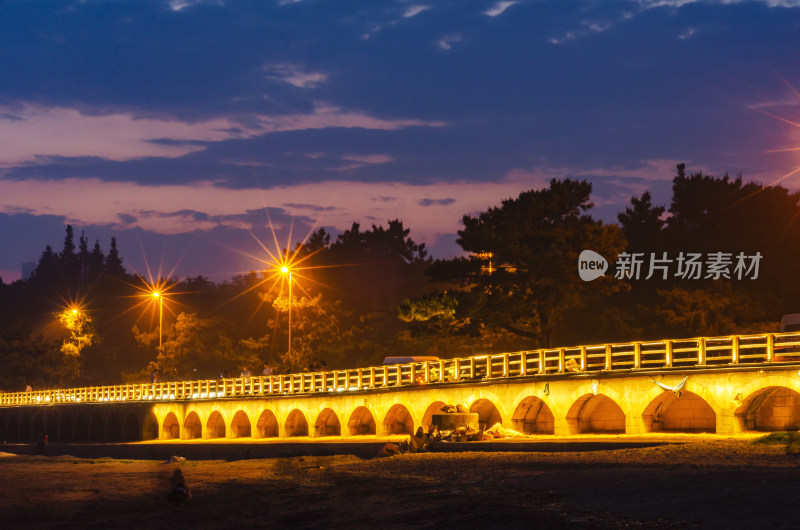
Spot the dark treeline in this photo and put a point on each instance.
(720, 258)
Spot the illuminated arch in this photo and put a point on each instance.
(433, 408)
(533, 416)
(296, 424)
(688, 413)
(327, 424)
(240, 425)
(596, 414)
(774, 408)
(267, 426)
(398, 420)
(148, 431)
(192, 427)
(171, 428)
(215, 426)
(361, 422)
(488, 413)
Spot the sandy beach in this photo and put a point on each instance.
(699, 482)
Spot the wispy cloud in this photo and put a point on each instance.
(686, 34)
(369, 159)
(414, 10)
(295, 75)
(498, 8)
(434, 202)
(568, 36)
(180, 5)
(648, 4)
(173, 209)
(32, 134)
(446, 42)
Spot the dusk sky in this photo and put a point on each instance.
(182, 126)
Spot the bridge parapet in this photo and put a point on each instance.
(629, 357)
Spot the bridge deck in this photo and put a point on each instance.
(699, 353)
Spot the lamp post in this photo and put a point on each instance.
(160, 299)
(287, 270)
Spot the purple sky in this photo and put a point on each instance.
(177, 125)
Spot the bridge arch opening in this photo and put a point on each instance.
(215, 426)
(361, 422)
(240, 425)
(65, 428)
(267, 425)
(149, 429)
(38, 428)
(327, 424)
(488, 415)
(51, 428)
(398, 421)
(114, 428)
(427, 418)
(533, 416)
(687, 413)
(96, 429)
(296, 424)
(25, 429)
(192, 427)
(171, 429)
(774, 408)
(13, 429)
(596, 414)
(81, 433)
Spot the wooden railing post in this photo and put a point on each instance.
(668, 353)
(561, 360)
(637, 354)
(523, 359)
(701, 351)
(584, 360)
(735, 349)
(770, 347)
(542, 362)
(608, 357)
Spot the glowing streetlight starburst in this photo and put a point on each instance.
(788, 122)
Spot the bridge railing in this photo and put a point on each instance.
(699, 352)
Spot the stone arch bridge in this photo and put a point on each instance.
(719, 385)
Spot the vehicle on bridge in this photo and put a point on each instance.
(788, 351)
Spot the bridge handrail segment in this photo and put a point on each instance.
(757, 349)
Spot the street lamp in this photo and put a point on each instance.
(160, 299)
(287, 270)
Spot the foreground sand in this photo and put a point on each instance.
(700, 483)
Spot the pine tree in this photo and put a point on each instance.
(70, 263)
(113, 263)
(48, 268)
(96, 259)
(83, 256)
